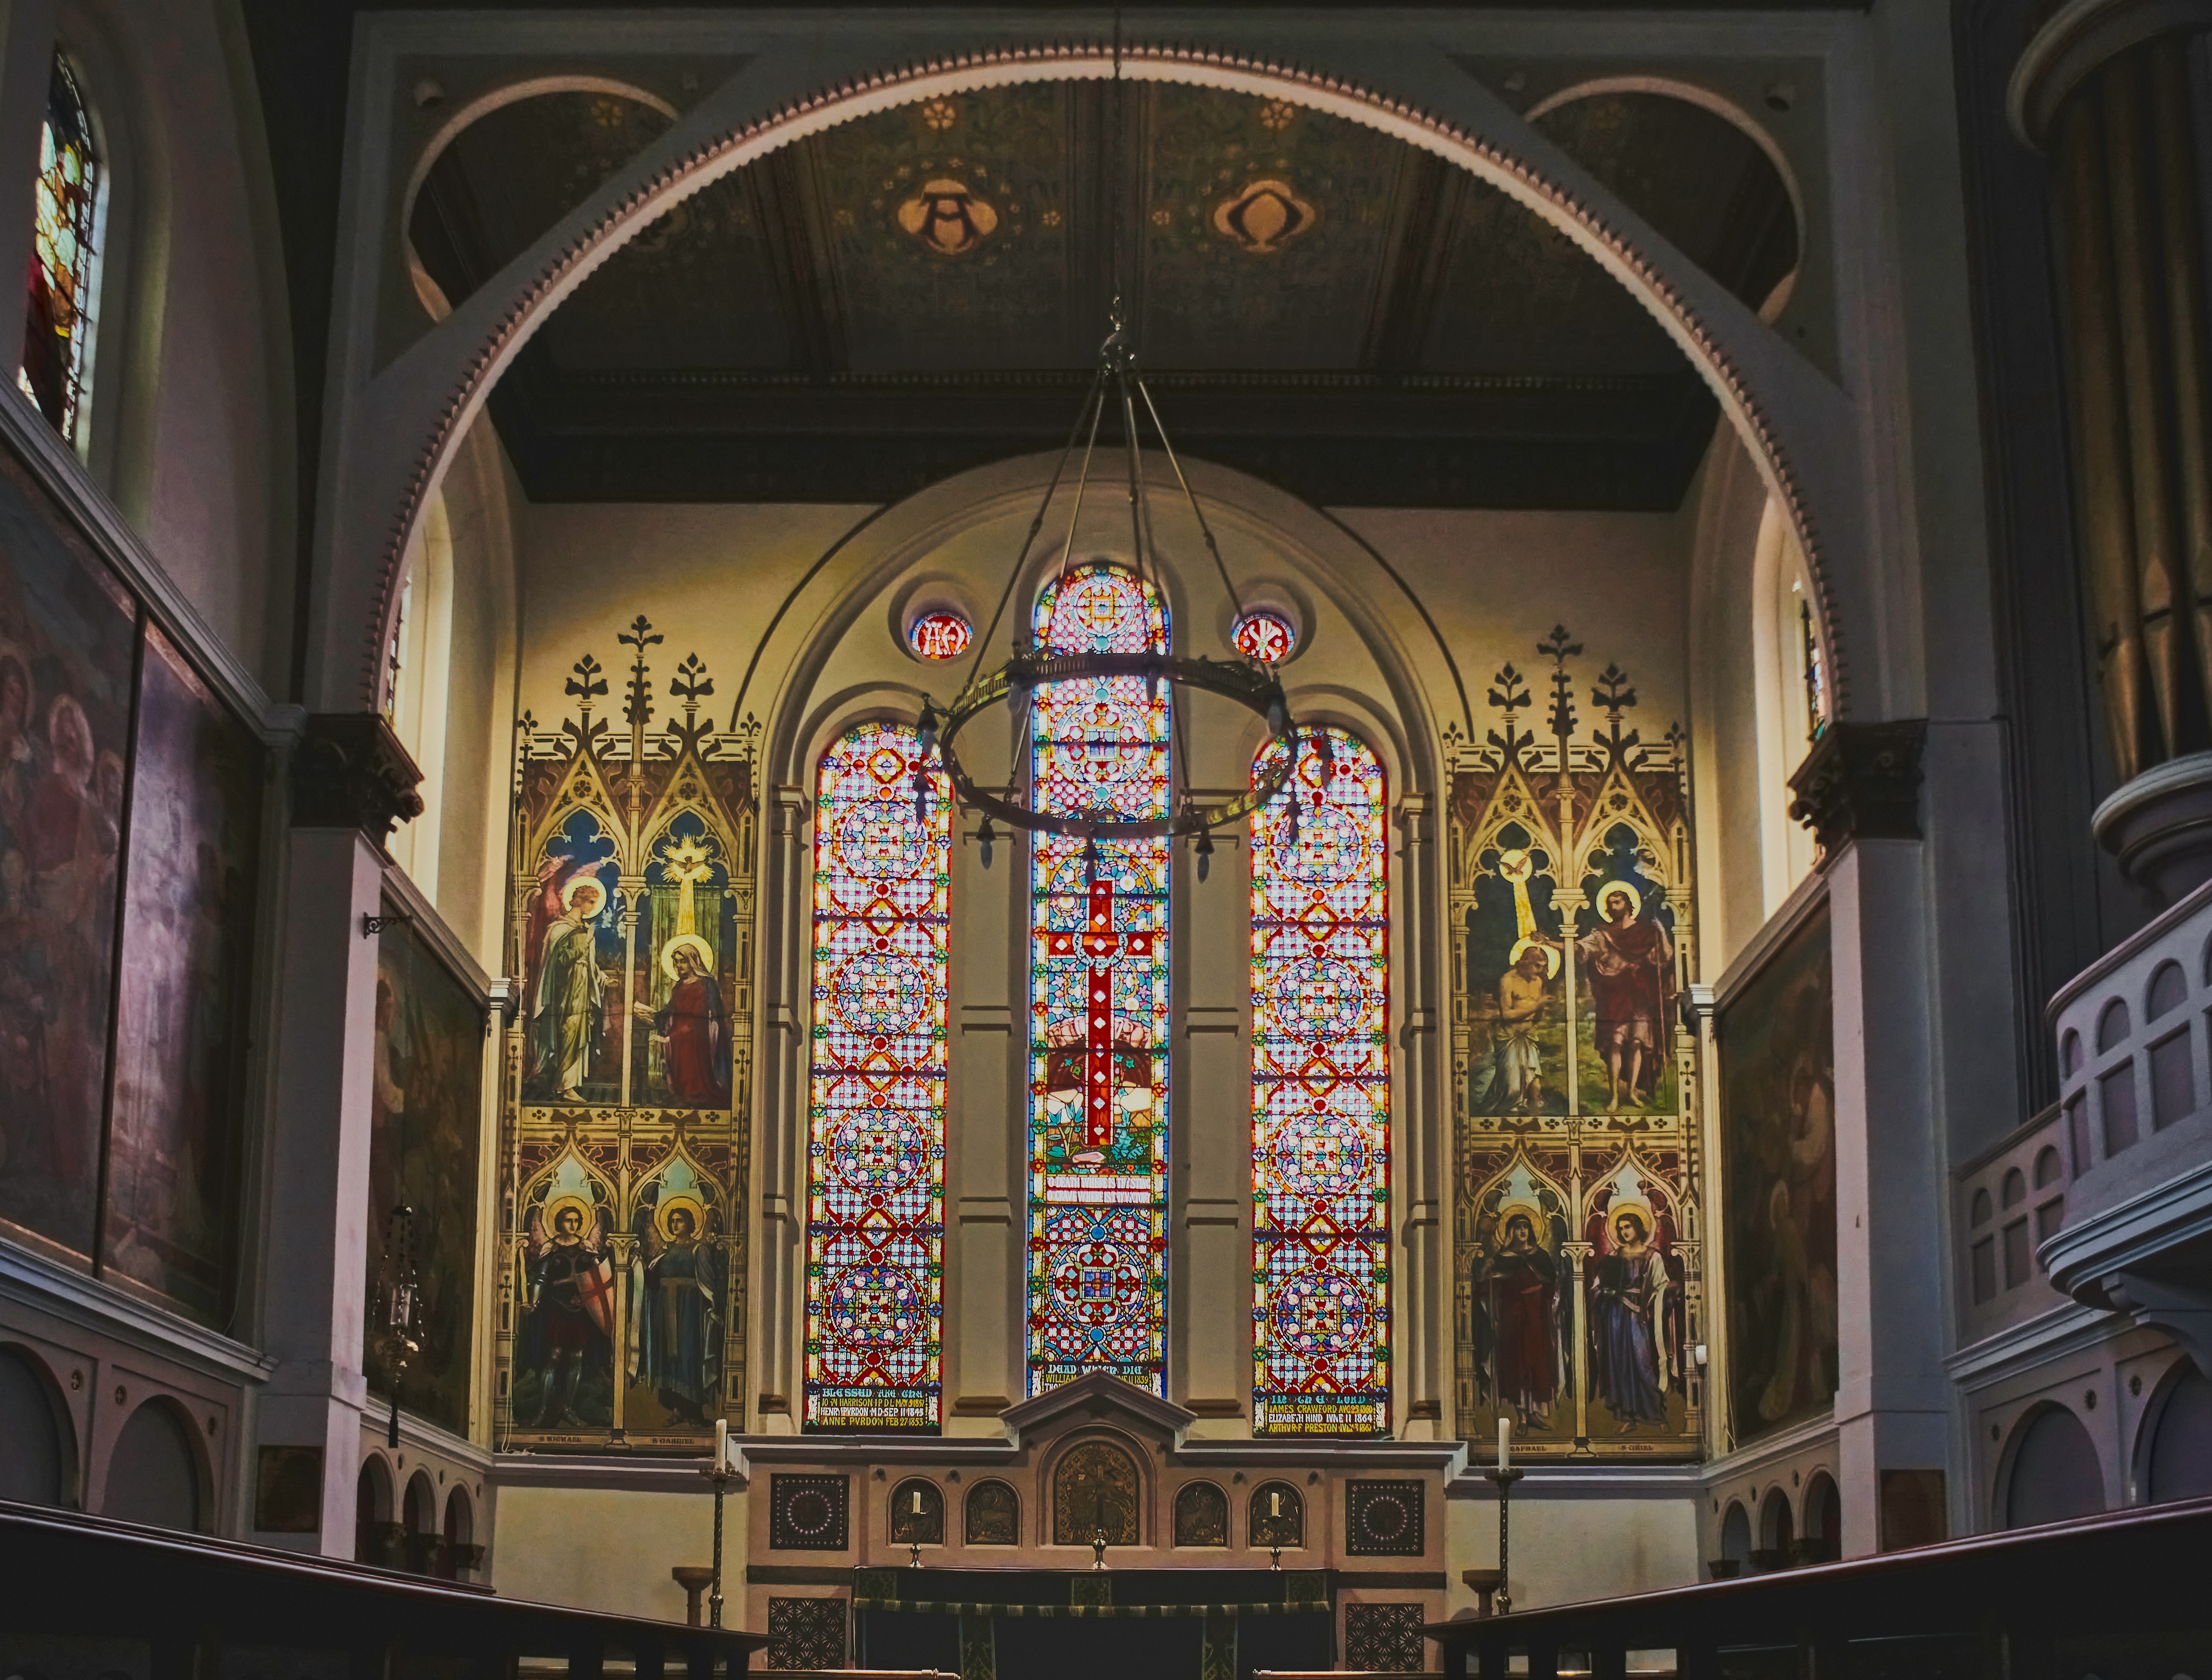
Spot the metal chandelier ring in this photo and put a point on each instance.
(1251, 686)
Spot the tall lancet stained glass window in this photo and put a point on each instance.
(58, 303)
(1321, 1096)
(1098, 999)
(875, 1215)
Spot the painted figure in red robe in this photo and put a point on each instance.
(690, 1028)
(1628, 966)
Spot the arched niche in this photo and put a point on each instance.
(1823, 1524)
(917, 1513)
(372, 1512)
(1277, 1516)
(1097, 1489)
(156, 1474)
(1201, 1514)
(2175, 1452)
(39, 1465)
(1735, 1534)
(991, 1515)
(2050, 1472)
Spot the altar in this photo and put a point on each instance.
(1097, 1532)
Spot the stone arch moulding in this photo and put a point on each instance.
(400, 425)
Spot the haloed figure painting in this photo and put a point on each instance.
(1778, 1107)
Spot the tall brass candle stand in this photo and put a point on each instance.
(721, 1473)
(1505, 1480)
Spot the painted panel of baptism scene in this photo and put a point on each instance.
(625, 1128)
(1577, 1286)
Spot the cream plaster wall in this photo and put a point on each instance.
(610, 1548)
(192, 360)
(1568, 1550)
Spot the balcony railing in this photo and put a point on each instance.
(2119, 1596)
(87, 1595)
(2133, 1037)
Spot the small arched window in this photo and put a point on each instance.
(2069, 1052)
(56, 370)
(2016, 1188)
(2046, 1167)
(1980, 1215)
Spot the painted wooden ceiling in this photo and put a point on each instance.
(918, 292)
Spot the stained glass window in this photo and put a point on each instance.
(1265, 636)
(1320, 1095)
(875, 1217)
(58, 310)
(1098, 999)
(940, 636)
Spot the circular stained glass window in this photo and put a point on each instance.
(940, 636)
(1265, 636)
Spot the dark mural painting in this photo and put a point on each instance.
(66, 629)
(180, 1037)
(1778, 1122)
(425, 1121)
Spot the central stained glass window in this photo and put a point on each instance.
(875, 1216)
(1098, 999)
(1320, 1095)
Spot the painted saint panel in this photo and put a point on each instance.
(1098, 1001)
(875, 1230)
(572, 985)
(621, 1300)
(1517, 996)
(426, 1121)
(66, 634)
(194, 856)
(1626, 970)
(1578, 1285)
(1777, 1039)
(1320, 1094)
(679, 1268)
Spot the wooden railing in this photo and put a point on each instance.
(87, 1594)
(2123, 1597)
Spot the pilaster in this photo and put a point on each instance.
(351, 781)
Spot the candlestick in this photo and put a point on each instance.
(1505, 1478)
(1504, 1443)
(719, 1472)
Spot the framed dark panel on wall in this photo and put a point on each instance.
(68, 631)
(425, 1130)
(1777, 1085)
(191, 867)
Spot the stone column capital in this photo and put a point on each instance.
(350, 771)
(1861, 781)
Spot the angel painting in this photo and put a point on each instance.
(1635, 1316)
(1521, 1312)
(568, 997)
(677, 1286)
(568, 1306)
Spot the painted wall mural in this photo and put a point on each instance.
(1578, 1281)
(117, 758)
(426, 1127)
(625, 1126)
(1777, 1060)
(173, 1165)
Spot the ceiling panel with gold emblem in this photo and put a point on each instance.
(1315, 302)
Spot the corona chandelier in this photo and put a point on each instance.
(1239, 679)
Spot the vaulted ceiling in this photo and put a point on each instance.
(924, 291)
